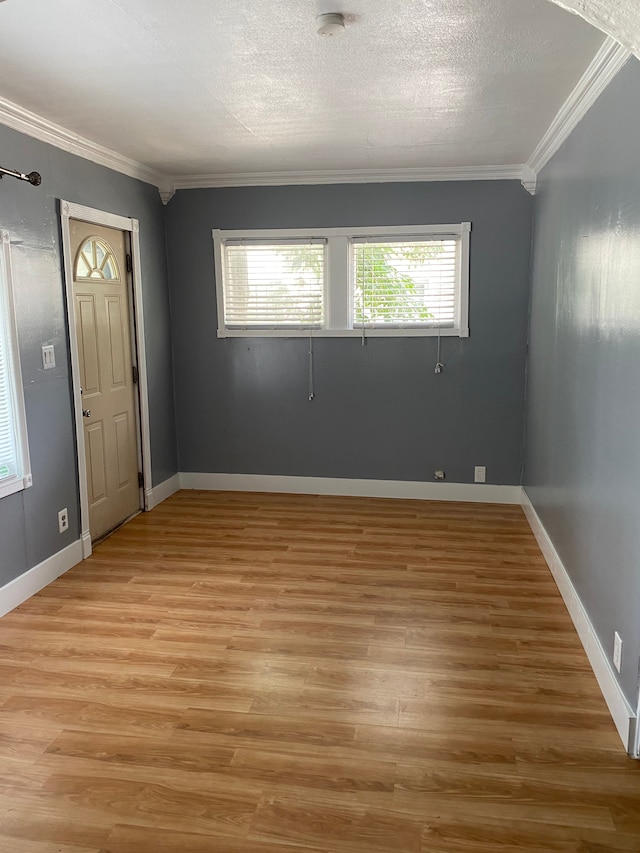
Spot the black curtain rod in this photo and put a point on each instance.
(33, 177)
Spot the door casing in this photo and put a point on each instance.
(70, 210)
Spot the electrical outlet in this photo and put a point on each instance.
(63, 520)
(480, 475)
(439, 475)
(617, 651)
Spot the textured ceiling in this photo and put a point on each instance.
(619, 19)
(248, 86)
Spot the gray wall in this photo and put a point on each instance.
(28, 519)
(583, 414)
(380, 411)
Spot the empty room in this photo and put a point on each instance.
(319, 419)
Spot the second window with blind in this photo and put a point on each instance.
(392, 281)
(15, 471)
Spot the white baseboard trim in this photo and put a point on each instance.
(620, 710)
(472, 492)
(162, 491)
(87, 549)
(19, 590)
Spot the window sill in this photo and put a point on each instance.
(14, 486)
(344, 333)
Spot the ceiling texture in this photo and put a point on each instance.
(617, 18)
(246, 86)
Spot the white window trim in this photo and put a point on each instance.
(15, 484)
(338, 284)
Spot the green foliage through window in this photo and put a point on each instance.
(402, 282)
(338, 280)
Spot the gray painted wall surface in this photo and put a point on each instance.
(583, 423)
(28, 519)
(380, 411)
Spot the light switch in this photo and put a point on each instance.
(48, 357)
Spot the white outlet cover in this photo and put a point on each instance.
(617, 651)
(480, 474)
(63, 520)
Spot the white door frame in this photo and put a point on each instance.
(69, 210)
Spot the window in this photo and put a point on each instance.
(95, 259)
(404, 282)
(15, 473)
(274, 285)
(392, 281)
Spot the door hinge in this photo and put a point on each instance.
(140, 479)
(135, 375)
(129, 263)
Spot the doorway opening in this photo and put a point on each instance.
(106, 330)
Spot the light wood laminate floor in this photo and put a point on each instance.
(277, 674)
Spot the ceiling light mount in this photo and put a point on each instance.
(330, 24)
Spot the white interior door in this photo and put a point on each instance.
(109, 396)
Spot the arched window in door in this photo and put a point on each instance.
(95, 259)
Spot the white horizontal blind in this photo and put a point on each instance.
(405, 282)
(10, 446)
(274, 284)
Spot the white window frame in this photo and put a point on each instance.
(339, 280)
(24, 479)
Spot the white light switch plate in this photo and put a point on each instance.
(48, 357)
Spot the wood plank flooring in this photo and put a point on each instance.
(278, 673)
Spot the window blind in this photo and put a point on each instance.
(274, 284)
(405, 282)
(8, 454)
(10, 450)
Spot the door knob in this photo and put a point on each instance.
(86, 413)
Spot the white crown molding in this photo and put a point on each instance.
(601, 70)
(529, 180)
(23, 120)
(17, 117)
(348, 176)
(167, 190)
